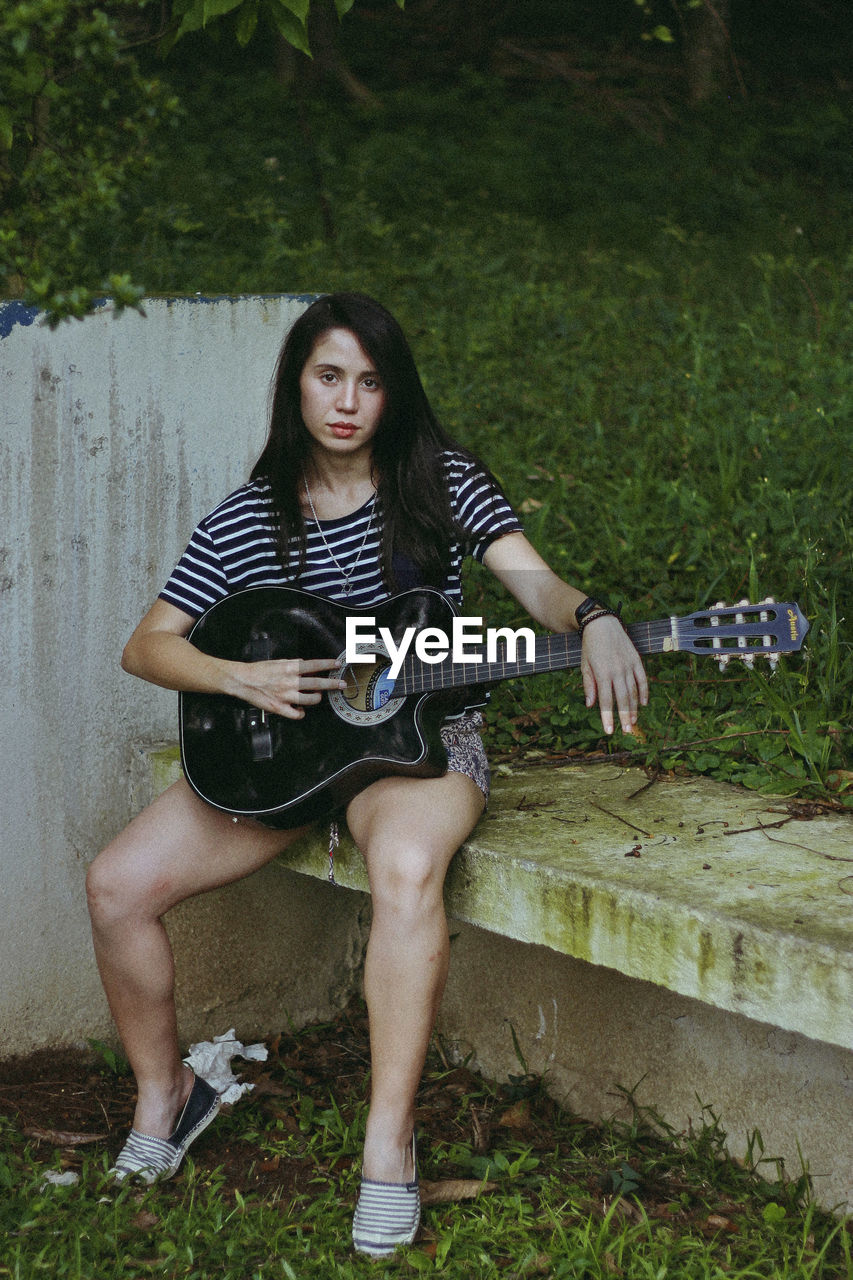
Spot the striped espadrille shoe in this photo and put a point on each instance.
(155, 1159)
(387, 1214)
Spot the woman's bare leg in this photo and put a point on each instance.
(408, 831)
(176, 848)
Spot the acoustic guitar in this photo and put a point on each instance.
(285, 773)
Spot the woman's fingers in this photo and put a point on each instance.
(621, 695)
(613, 673)
(286, 686)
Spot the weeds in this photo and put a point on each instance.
(271, 1187)
(650, 350)
(113, 1061)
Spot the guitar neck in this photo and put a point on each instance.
(741, 631)
(556, 652)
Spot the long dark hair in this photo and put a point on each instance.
(412, 494)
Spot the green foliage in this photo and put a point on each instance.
(76, 121)
(114, 1061)
(649, 344)
(289, 18)
(570, 1199)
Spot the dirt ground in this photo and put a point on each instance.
(72, 1102)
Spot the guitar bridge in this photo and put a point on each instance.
(260, 734)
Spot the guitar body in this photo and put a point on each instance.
(284, 772)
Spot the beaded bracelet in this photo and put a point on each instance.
(585, 607)
(601, 612)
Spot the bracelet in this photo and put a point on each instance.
(601, 611)
(586, 607)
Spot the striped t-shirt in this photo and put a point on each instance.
(235, 547)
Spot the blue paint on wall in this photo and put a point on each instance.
(236, 297)
(12, 313)
(15, 313)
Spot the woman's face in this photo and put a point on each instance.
(342, 396)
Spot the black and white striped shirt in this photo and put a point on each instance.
(235, 547)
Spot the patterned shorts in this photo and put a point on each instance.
(465, 751)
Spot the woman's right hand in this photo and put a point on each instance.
(159, 651)
(285, 686)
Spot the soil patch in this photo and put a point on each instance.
(71, 1102)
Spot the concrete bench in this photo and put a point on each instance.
(731, 901)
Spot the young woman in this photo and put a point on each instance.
(357, 494)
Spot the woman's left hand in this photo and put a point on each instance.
(612, 673)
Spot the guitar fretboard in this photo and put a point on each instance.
(753, 629)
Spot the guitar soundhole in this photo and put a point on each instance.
(367, 699)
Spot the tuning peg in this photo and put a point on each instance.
(772, 658)
(747, 659)
(721, 659)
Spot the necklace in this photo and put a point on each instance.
(345, 574)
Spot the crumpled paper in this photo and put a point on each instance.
(211, 1060)
(54, 1179)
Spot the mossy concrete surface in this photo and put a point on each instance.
(706, 889)
(734, 899)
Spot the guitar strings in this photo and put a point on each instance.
(417, 676)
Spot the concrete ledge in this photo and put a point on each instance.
(685, 940)
(704, 889)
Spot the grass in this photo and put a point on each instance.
(647, 340)
(560, 1197)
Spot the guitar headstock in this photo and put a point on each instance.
(744, 631)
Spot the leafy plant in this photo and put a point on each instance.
(114, 1061)
(289, 18)
(76, 121)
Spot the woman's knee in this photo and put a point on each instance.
(116, 891)
(409, 880)
(102, 889)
